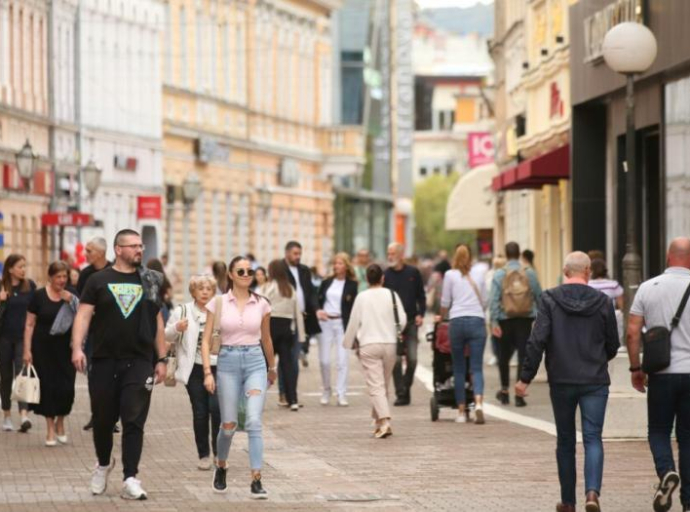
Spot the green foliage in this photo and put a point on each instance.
(430, 199)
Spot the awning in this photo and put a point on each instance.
(546, 169)
(471, 203)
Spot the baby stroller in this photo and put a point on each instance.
(444, 385)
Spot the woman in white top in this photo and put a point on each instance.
(463, 300)
(336, 296)
(372, 325)
(185, 328)
(286, 319)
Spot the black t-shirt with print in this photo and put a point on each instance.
(119, 300)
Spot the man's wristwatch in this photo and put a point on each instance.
(634, 369)
(163, 360)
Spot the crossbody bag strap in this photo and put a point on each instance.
(679, 313)
(476, 290)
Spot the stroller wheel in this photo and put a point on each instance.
(433, 405)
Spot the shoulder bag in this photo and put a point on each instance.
(656, 342)
(170, 380)
(400, 338)
(215, 335)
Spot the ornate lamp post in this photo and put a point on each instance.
(91, 177)
(26, 163)
(630, 48)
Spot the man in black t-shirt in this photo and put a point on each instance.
(120, 309)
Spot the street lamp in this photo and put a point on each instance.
(191, 189)
(91, 176)
(264, 203)
(26, 162)
(630, 48)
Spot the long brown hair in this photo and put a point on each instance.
(10, 262)
(277, 273)
(462, 260)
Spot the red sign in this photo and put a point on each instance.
(556, 108)
(66, 219)
(480, 148)
(149, 207)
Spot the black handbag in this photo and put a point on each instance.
(656, 342)
(400, 338)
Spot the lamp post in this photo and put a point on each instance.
(191, 188)
(630, 48)
(264, 196)
(91, 177)
(26, 163)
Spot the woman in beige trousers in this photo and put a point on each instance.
(372, 331)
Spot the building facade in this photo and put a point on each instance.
(24, 117)
(247, 108)
(533, 206)
(662, 121)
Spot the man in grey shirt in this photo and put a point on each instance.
(668, 397)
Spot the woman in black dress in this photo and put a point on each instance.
(51, 354)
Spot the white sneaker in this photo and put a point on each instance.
(461, 418)
(205, 464)
(294, 407)
(7, 425)
(131, 489)
(325, 398)
(493, 361)
(99, 478)
(342, 401)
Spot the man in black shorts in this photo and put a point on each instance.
(127, 336)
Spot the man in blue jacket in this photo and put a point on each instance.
(576, 326)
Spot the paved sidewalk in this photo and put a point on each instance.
(321, 458)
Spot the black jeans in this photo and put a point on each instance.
(668, 399)
(403, 381)
(204, 407)
(11, 352)
(284, 343)
(516, 331)
(120, 388)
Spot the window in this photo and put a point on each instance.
(199, 51)
(168, 56)
(449, 169)
(437, 170)
(227, 51)
(182, 46)
(423, 171)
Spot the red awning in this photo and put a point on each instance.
(546, 169)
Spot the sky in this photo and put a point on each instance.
(427, 4)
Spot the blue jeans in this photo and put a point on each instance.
(668, 399)
(242, 370)
(592, 400)
(467, 330)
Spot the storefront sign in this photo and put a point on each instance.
(209, 150)
(66, 219)
(598, 24)
(556, 108)
(480, 148)
(149, 207)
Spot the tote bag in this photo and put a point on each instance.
(26, 387)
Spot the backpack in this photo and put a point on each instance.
(516, 294)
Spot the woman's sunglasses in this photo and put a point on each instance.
(242, 272)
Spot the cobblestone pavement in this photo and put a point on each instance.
(321, 458)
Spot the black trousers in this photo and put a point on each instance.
(120, 388)
(204, 407)
(11, 352)
(516, 331)
(283, 343)
(403, 380)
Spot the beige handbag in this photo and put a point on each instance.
(27, 388)
(215, 335)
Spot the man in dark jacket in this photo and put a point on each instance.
(576, 326)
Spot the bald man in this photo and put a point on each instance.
(656, 303)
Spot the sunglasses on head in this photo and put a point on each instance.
(242, 272)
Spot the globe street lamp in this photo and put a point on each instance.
(26, 163)
(630, 48)
(91, 177)
(191, 189)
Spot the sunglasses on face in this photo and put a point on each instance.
(242, 272)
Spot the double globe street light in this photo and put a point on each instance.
(630, 48)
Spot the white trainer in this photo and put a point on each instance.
(462, 418)
(205, 464)
(342, 401)
(99, 478)
(131, 490)
(7, 425)
(325, 398)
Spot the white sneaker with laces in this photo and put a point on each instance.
(461, 418)
(325, 398)
(131, 490)
(205, 464)
(342, 401)
(7, 425)
(99, 478)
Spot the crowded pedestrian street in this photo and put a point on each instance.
(324, 458)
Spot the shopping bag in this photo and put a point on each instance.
(26, 387)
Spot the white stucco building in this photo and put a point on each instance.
(119, 112)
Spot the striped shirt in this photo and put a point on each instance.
(608, 287)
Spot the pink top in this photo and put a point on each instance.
(241, 328)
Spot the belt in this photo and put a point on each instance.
(334, 317)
